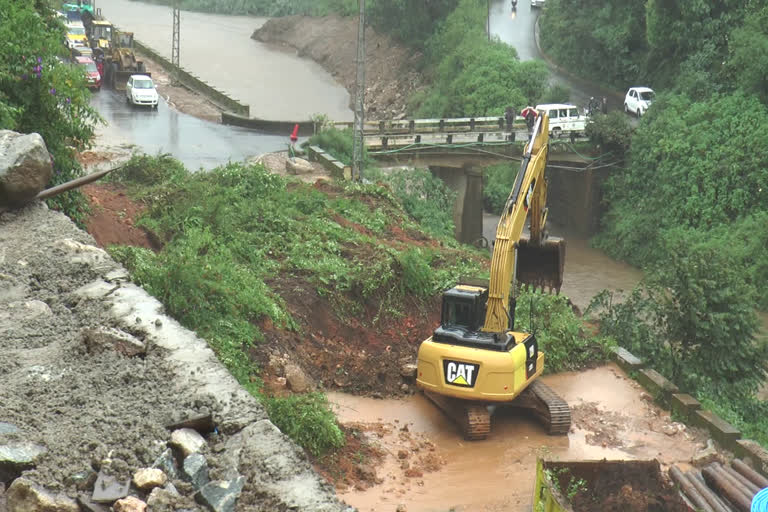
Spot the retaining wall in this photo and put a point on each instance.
(306, 128)
(222, 99)
(689, 410)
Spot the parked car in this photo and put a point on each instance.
(92, 75)
(140, 90)
(537, 3)
(638, 99)
(564, 118)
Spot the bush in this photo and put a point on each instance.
(308, 420)
(499, 180)
(611, 132)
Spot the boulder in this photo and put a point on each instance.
(25, 496)
(25, 167)
(149, 478)
(297, 380)
(298, 166)
(130, 504)
(408, 370)
(188, 441)
(102, 339)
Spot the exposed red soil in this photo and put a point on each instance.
(113, 217)
(353, 466)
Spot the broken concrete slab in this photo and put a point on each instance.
(188, 441)
(220, 496)
(723, 432)
(25, 496)
(626, 360)
(195, 470)
(656, 384)
(16, 457)
(109, 489)
(101, 339)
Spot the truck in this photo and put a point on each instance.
(588, 486)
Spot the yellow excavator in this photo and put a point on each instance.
(475, 359)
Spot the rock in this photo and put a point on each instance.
(404, 388)
(149, 478)
(25, 167)
(706, 455)
(82, 480)
(167, 463)
(195, 470)
(103, 339)
(130, 504)
(84, 254)
(16, 457)
(166, 499)
(408, 370)
(187, 440)
(669, 430)
(401, 508)
(402, 454)
(8, 428)
(298, 381)
(298, 166)
(400, 116)
(220, 496)
(281, 382)
(108, 489)
(645, 396)
(25, 496)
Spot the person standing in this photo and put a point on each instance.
(509, 116)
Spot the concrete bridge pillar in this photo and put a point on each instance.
(467, 182)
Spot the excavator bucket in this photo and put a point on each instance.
(541, 265)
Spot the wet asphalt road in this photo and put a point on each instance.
(194, 142)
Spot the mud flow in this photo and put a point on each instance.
(611, 420)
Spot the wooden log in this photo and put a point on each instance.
(751, 487)
(749, 473)
(713, 499)
(690, 491)
(716, 481)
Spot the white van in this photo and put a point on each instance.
(537, 3)
(564, 118)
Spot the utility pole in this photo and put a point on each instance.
(175, 43)
(359, 141)
(488, 20)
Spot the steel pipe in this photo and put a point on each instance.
(76, 183)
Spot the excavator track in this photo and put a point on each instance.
(547, 407)
(472, 418)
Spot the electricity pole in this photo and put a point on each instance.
(488, 20)
(175, 43)
(359, 141)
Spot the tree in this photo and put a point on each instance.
(40, 93)
(748, 62)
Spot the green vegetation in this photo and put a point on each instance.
(230, 233)
(39, 93)
(498, 182)
(474, 77)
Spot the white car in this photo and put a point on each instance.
(638, 99)
(564, 118)
(537, 3)
(140, 90)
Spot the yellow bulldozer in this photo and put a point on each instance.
(475, 359)
(117, 55)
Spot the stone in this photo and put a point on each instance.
(84, 254)
(706, 455)
(25, 167)
(195, 470)
(108, 489)
(167, 463)
(102, 339)
(129, 504)
(298, 166)
(25, 496)
(408, 370)
(220, 496)
(8, 428)
(149, 478)
(16, 457)
(401, 508)
(404, 388)
(163, 499)
(82, 480)
(188, 441)
(297, 380)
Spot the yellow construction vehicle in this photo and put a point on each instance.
(475, 359)
(120, 60)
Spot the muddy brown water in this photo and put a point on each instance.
(499, 473)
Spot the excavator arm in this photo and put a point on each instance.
(513, 253)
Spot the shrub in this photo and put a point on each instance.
(308, 420)
(499, 180)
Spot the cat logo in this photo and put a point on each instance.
(460, 374)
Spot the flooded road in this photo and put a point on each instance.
(196, 143)
(498, 473)
(275, 82)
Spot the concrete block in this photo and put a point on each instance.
(723, 432)
(628, 361)
(656, 383)
(754, 454)
(684, 405)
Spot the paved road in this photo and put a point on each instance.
(195, 142)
